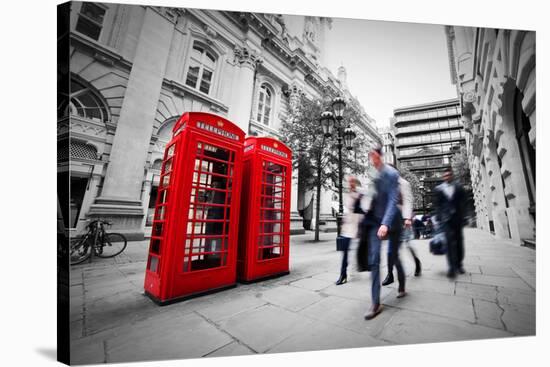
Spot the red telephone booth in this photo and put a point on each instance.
(193, 248)
(264, 233)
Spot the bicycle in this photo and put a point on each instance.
(105, 245)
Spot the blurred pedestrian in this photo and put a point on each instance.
(387, 218)
(418, 226)
(406, 207)
(450, 200)
(350, 223)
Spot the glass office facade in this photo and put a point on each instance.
(426, 138)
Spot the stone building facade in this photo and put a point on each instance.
(495, 74)
(135, 69)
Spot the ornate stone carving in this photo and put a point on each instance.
(469, 96)
(246, 56)
(295, 93)
(311, 30)
(210, 32)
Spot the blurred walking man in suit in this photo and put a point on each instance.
(449, 196)
(386, 217)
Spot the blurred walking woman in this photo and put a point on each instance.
(350, 223)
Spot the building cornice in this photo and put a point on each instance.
(423, 106)
(180, 90)
(101, 53)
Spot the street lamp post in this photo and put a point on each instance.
(328, 121)
(423, 193)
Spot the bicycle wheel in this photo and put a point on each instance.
(113, 244)
(80, 250)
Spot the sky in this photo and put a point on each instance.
(390, 64)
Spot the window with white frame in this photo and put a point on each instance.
(202, 65)
(90, 20)
(83, 101)
(265, 104)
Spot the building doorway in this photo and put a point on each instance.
(78, 187)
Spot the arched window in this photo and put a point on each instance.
(202, 64)
(265, 104)
(157, 164)
(83, 102)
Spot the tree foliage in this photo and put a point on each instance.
(415, 183)
(303, 133)
(461, 168)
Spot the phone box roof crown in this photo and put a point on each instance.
(267, 145)
(211, 123)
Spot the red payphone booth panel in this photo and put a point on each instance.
(193, 247)
(264, 234)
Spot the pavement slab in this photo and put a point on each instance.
(231, 349)
(440, 285)
(290, 298)
(264, 327)
(509, 282)
(348, 314)
(311, 284)
(519, 319)
(231, 307)
(502, 271)
(410, 327)
(488, 314)
(436, 304)
(117, 310)
(514, 296)
(476, 291)
(181, 336)
(322, 336)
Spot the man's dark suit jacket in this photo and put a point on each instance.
(450, 211)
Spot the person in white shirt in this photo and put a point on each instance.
(350, 223)
(406, 207)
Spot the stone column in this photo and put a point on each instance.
(120, 199)
(147, 187)
(296, 222)
(246, 60)
(294, 197)
(484, 192)
(500, 216)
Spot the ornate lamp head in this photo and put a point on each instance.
(338, 105)
(327, 122)
(349, 135)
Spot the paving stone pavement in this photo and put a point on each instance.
(112, 321)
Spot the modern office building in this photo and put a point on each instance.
(132, 70)
(495, 74)
(426, 137)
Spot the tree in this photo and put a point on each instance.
(461, 167)
(315, 157)
(461, 172)
(414, 181)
